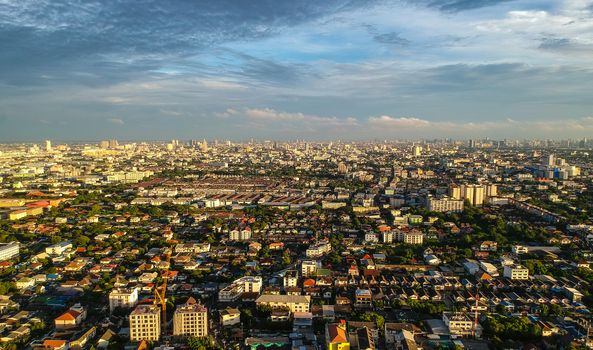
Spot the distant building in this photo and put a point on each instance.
(58, 248)
(308, 268)
(516, 272)
(9, 250)
(291, 278)
(459, 324)
(413, 237)
(444, 205)
(294, 303)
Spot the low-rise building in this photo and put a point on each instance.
(294, 303)
(516, 272)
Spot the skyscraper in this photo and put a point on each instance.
(47, 145)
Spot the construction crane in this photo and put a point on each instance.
(161, 290)
(476, 314)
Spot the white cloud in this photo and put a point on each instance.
(398, 122)
(116, 121)
(261, 115)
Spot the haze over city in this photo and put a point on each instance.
(337, 69)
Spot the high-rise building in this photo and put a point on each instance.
(190, 320)
(491, 190)
(113, 143)
(145, 323)
(471, 143)
(478, 195)
(104, 144)
(455, 191)
(467, 193)
(416, 151)
(47, 145)
(474, 194)
(550, 160)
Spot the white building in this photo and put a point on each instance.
(308, 268)
(58, 248)
(240, 235)
(444, 205)
(413, 237)
(459, 324)
(291, 278)
(246, 284)
(295, 303)
(318, 250)
(9, 250)
(520, 249)
(516, 272)
(123, 298)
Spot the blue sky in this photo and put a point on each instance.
(333, 69)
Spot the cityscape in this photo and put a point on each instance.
(296, 175)
(297, 245)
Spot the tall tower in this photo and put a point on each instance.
(47, 145)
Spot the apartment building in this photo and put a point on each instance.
(9, 250)
(246, 284)
(308, 268)
(444, 205)
(123, 298)
(516, 272)
(190, 320)
(459, 324)
(145, 323)
(290, 279)
(294, 303)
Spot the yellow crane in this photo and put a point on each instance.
(160, 291)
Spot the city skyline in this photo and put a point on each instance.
(296, 70)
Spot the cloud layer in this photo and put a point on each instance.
(74, 69)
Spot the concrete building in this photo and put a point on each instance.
(145, 323)
(246, 284)
(459, 324)
(444, 205)
(9, 250)
(516, 272)
(58, 248)
(123, 298)
(294, 303)
(230, 317)
(308, 268)
(413, 237)
(190, 320)
(291, 278)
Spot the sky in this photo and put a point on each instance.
(295, 69)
